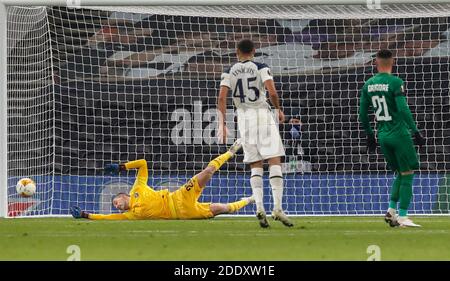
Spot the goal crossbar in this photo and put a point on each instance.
(211, 2)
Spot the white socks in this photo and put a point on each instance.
(276, 182)
(256, 182)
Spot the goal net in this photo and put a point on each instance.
(89, 86)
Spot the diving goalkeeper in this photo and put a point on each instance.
(143, 202)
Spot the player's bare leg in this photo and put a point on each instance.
(219, 208)
(204, 176)
(276, 182)
(256, 182)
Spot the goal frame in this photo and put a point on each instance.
(374, 4)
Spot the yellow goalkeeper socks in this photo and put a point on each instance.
(220, 160)
(237, 205)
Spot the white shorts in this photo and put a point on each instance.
(260, 135)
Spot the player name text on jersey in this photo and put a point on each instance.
(243, 70)
(378, 88)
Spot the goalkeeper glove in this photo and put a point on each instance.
(114, 168)
(371, 144)
(78, 213)
(418, 139)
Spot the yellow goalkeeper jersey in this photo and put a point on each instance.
(145, 202)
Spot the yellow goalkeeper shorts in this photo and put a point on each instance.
(185, 204)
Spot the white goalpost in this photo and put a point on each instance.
(4, 117)
(86, 83)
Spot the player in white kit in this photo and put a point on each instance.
(258, 128)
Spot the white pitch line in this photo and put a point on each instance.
(153, 231)
(302, 232)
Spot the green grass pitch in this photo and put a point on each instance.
(226, 238)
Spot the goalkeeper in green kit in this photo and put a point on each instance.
(385, 94)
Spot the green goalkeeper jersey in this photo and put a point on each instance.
(384, 94)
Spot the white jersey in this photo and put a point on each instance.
(246, 81)
(257, 126)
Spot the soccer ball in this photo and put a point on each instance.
(26, 187)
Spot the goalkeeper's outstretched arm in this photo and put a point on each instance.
(141, 164)
(79, 214)
(107, 217)
(114, 169)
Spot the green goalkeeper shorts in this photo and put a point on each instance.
(400, 153)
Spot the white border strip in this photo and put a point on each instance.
(77, 3)
(3, 113)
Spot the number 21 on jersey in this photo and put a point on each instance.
(380, 105)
